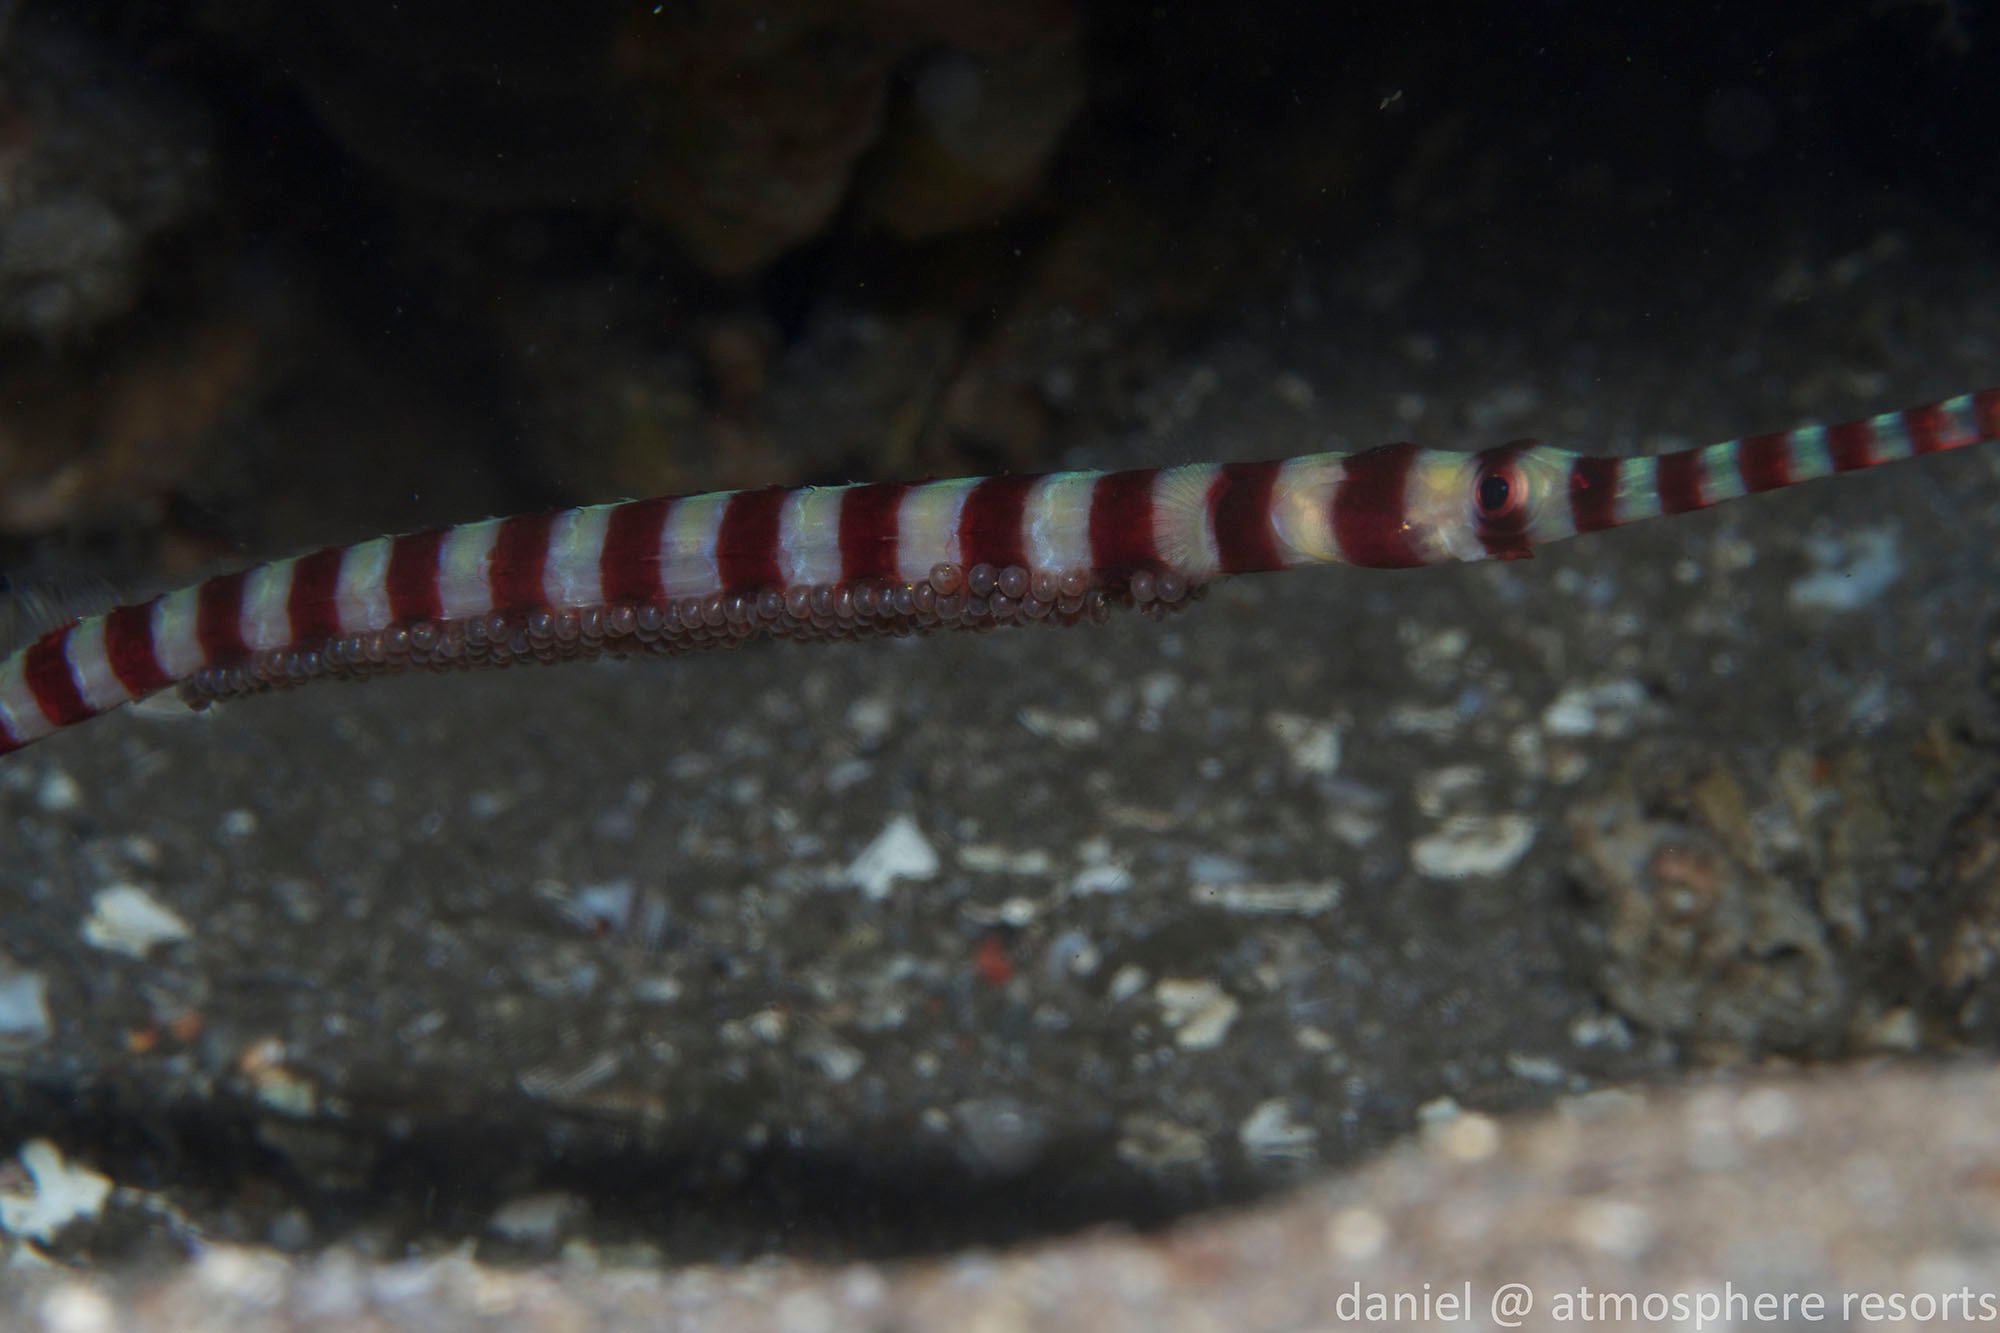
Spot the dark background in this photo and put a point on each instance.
(278, 276)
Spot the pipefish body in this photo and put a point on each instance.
(677, 574)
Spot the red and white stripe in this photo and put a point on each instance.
(1140, 536)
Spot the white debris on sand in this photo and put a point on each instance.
(1312, 743)
(24, 1008)
(1200, 1012)
(1853, 570)
(1304, 898)
(1607, 709)
(1468, 845)
(1270, 1134)
(900, 851)
(126, 919)
(537, 1219)
(63, 1193)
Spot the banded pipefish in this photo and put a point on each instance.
(683, 573)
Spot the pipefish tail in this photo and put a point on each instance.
(678, 574)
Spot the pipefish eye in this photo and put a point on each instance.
(1503, 499)
(1499, 493)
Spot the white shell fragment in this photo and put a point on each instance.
(1292, 898)
(24, 1008)
(1270, 1134)
(1199, 1012)
(899, 851)
(63, 1194)
(126, 919)
(537, 1219)
(1073, 731)
(1468, 845)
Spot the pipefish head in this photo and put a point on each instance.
(1498, 504)
(1400, 506)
